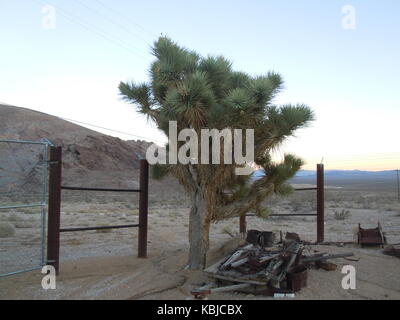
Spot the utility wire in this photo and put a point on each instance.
(112, 130)
(128, 19)
(94, 29)
(112, 22)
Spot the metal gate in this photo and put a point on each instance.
(23, 203)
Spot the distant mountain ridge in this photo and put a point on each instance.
(305, 173)
(336, 173)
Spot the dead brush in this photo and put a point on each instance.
(341, 214)
(6, 230)
(227, 230)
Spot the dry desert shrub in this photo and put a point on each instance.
(30, 211)
(228, 230)
(104, 230)
(342, 214)
(173, 215)
(14, 218)
(23, 225)
(297, 205)
(302, 201)
(6, 230)
(74, 242)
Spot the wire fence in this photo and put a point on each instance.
(23, 201)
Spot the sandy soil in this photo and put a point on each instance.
(103, 265)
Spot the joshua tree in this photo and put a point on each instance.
(204, 92)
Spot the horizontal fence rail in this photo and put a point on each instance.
(54, 223)
(100, 228)
(286, 215)
(99, 189)
(16, 206)
(45, 143)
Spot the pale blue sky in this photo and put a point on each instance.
(349, 77)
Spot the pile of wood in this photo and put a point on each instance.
(263, 266)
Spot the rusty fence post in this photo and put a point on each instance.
(54, 206)
(143, 208)
(242, 224)
(320, 203)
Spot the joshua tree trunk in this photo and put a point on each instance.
(199, 227)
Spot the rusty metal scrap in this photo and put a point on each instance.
(392, 250)
(297, 278)
(328, 266)
(373, 236)
(261, 238)
(280, 267)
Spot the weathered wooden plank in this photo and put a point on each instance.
(231, 288)
(255, 282)
(327, 257)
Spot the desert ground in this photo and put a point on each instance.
(103, 265)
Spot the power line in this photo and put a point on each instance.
(94, 29)
(111, 21)
(128, 19)
(112, 130)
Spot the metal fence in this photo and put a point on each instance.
(320, 207)
(23, 202)
(54, 221)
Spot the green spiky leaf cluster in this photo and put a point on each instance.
(205, 92)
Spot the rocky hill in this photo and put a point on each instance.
(90, 158)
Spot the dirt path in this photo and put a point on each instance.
(162, 276)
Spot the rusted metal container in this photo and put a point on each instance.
(372, 237)
(266, 239)
(261, 238)
(297, 278)
(252, 236)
